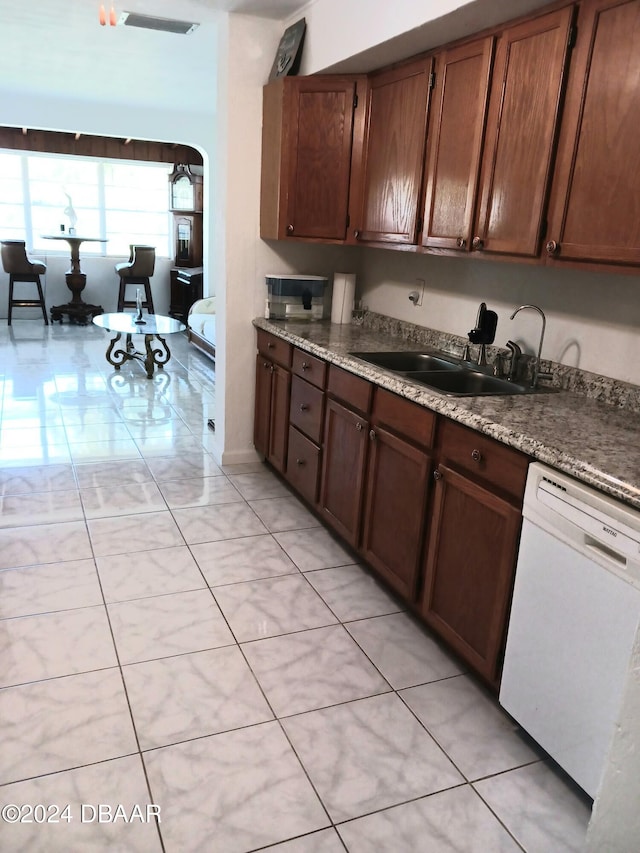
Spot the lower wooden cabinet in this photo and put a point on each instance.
(469, 568)
(303, 465)
(273, 388)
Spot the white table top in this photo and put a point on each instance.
(154, 324)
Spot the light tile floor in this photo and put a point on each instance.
(181, 636)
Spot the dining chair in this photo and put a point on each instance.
(137, 270)
(20, 269)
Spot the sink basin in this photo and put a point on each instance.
(405, 362)
(467, 383)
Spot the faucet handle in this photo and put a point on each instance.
(516, 352)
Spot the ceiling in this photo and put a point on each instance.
(276, 9)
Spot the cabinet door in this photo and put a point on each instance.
(526, 92)
(279, 419)
(394, 516)
(469, 569)
(456, 131)
(394, 154)
(262, 416)
(595, 206)
(344, 455)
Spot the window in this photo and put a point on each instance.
(124, 202)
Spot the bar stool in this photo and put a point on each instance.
(20, 268)
(138, 270)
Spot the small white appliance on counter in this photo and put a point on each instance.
(296, 297)
(574, 619)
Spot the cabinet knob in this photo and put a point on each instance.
(461, 242)
(552, 247)
(477, 243)
(270, 345)
(304, 407)
(289, 229)
(476, 456)
(356, 234)
(266, 365)
(300, 462)
(437, 475)
(372, 434)
(305, 365)
(359, 426)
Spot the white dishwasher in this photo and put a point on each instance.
(574, 618)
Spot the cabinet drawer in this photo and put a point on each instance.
(313, 369)
(403, 417)
(307, 405)
(353, 390)
(275, 348)
(303, 465)
(484, 458)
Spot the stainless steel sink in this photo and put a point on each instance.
(405, 362)
(467, 383)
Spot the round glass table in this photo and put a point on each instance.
(152, 326)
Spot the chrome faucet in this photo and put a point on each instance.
(537, 373)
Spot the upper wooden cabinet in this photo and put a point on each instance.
(456, 132)
(307, 137)
(524, 108)
(397, 110)
(595, 205)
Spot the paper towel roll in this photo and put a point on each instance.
(344, 293)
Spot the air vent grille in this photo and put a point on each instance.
(149, 22)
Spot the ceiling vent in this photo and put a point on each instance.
(149, 22)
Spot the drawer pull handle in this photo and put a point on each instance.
(305, 365)
(359, 426)
(372, 434)
(477, 243)
(461, 242)
(270, 345)
(300, 462)
(290, 229)
(437, 475)
(476, 456)
(304, 407)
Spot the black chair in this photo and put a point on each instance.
(138, 270)
(20, 268)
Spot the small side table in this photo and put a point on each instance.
(152, 326)
(77, 310)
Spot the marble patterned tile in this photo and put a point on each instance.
(178, 446)
(233, 792)
(168, 625)
(39, 478)
(312, 669)
(222, 521)
(403, 651)
(53, 644)
(279, 514)
(120, 781)
(85, 418)
(194, 465)
(256, 485)
(17, 437)
(243, 559)
(256, 467)
(43, 543)
(122, 499)
(32, 455)
(470, 726)
(352, 593)
(324, 841)
(172, 427)
(272, 606)
(113, 430)
(105, 474)
(75, 720)
(145, 531)
(53, 586)
(314, 549)
(193, 695)
(200, 491)
(448, 822)
(539, 808)
(102, 451)
(40, 508)
(368, 755)
(140, 574)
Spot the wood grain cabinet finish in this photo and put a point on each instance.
(273, 385)
(524, 108)
(303, 465)
(454, 146)
(473, 540)
(395, 139)
(595, 205)
(307, 408)
(307, 138)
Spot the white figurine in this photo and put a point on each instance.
(70, 212)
